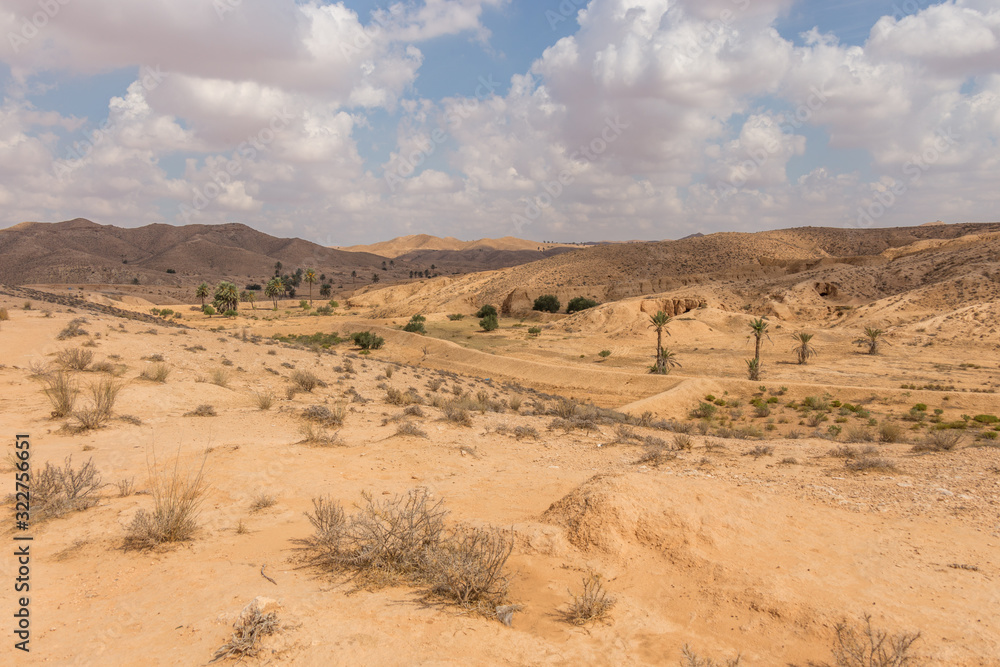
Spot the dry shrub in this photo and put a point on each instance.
(396, 397)
(177, 497)
(126, 487)
(655, 452)
(305, 381)
(220, 377)
(593, 604)
(263, 399)
(858, 434)
(870, 464)
(410, 429)
(56, 491)
(692, 659)
(261, 501)
(318, 436)
(61, 392)
(514, 402)
(324, 415)
(203, 410)
(521, 432)
(939, 441)
(403, 540)
(248, 629)
(434, 384)
(155, 373)
(3, 315)
(861, 645)
(73, 329)
(682, 442)
(74, 359)
(564, 409)
(759, 451)
(457, 415)
(891, 432)
(103, 395)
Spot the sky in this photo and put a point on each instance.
(557, 120)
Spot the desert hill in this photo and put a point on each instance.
(450, 255)
(81, 251)
(420, 242)
(821, 267)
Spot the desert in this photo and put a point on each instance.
(637, 517)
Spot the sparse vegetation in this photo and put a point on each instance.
(874, 339)
(155, 373)
(862, 645)
(74, 359)
(592, 604)
(62, 393)
(177, 497)
(56, 491)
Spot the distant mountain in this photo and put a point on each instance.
(450, 255)
(81, 251)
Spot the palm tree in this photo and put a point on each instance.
(802, 346)
(758, 330)
(873, 338)
(324, 290)
(252, 299)
(660, 322)
(354, 275)
(753, 369)
(227, 297)
(375, 278)
(273, 290)
(667, 361)
(202, 293)
(310, 278)
(277, 268)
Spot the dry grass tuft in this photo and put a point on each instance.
(317, 436)
(103, 395)
(939, 441)
(155, 373)
(593, 604)
(220, 377)
(73, 329)
(410, 429)
(692, 659)
(203, 410)
(62, 393)
(261, 501)
(177, 497)
(263, 399)
(305, 381)
(74, 359)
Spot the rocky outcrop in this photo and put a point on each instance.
(672, 307)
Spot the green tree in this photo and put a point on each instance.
(310, 278)
(202, 292)
(667, 362)
(252, 299)
(354, 275)
(487, 310)
(325, 289)
(273, 290)
(579, 303)
(753, 369)
(227, 297)
(208, 310)
(803, 348)
(547, 303)
(659, 322)
(375, 278)
(873, 338)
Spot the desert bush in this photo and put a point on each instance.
(939, 441)
(58, 490)
(579, 303)
(410, 429)
(704, 411)
(155, 373)
(455, 317)
(487, 310)
(261, 501)
(870, 464)
(592, 604)
(74, 359)
(248, 629)
(177, 497)
(220, 377)
(366, 340)
(521, 432)
(489, 323)
(317, 436)
(857, 434)
(264, 399)
(692, 659)
(564, 408)
(103, 395)
(655, 451)
(73, 329)
(759, 451)
(547, 303)
(305, 381)
(62, 393)
(604, 354)
(890, 432)
(682, 442)
(413, 411)
(457, 414)
(624, 434)
(126, 487)
(324, 415)
(416, 325)
(514, 402)
(534, 331)
(467, 567)
(203, 410)
(861, 645)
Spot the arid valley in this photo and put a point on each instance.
(265, 485)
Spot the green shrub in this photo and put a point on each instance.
(534, 331)
(920, 407)
(489, 323)
(604, 354)
(547, 303)
(579, 303)
(986, 419)
(366, 340)
(208, 310)
(487, 310)
(455, 317)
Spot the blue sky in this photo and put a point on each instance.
(356, 121)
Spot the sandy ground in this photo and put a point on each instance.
(724, 552)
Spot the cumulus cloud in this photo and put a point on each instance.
(655, 118)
